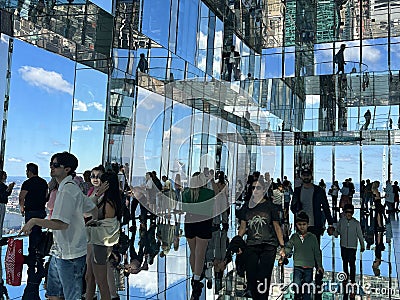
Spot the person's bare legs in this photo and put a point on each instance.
(200, 255)
(100, 273)
(192, 247)
(89, 276)
(198, 248)
(111, 280)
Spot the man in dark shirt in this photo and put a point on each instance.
(339, 59)
(32, 201)
(143, 65)
(312, 199)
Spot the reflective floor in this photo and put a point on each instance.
(168, 275)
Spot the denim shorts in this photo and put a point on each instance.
(65, 277)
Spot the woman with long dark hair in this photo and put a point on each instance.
(102, 236)
(261, 224)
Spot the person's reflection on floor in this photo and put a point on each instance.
(139, 198)
(135, 262)
(378, 257)
(215, 257)
(221, 260)
(166, 235)
(178, 231)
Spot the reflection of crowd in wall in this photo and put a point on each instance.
(100, 230)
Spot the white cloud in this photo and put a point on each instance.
(57, 143)
(201, 61)
(13, 159)
(139, 126)
(219, 39)
(372, 55)
(44, 155)
(202, 41)
(312, 100)
(81, 128)
(48, 80)
(344, 159)
(3, 38)
(97, 105)
(175, 131)
(80, 105)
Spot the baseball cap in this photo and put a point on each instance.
(306, 172)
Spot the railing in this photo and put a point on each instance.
(329, 67)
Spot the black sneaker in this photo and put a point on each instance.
(197, 289)
(3, 241)
(209, 284)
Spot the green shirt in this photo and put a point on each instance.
(204, 206)
(307, 252)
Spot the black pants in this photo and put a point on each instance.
(34, 261)
(259, 263)
(349, 259)
(143, 211)
(317, 231)
(230, 68)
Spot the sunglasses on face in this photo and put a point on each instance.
(349, 212)
(95, 176)
(256, 187)
(55, 164)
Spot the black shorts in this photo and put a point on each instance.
(200, 229)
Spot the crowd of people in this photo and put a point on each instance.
(93, 220)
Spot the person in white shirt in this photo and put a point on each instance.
(231, 59)
(68, 253)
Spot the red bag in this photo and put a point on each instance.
(14, 261)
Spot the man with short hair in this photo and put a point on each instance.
(312, 199)
(32, 201)
(69, 248)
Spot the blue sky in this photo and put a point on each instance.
(39, 119)
(40, 112)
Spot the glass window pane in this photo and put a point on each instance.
(158, 63)
(289, 62)
(272, 59)
(85, 133)
(187, 34)
(48, 85)
(148, 133)
(155, 21)
(374, 55)
(218, 48)
(90, 94)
